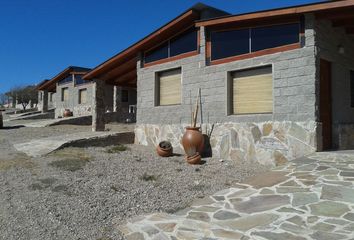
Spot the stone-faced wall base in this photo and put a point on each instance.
(269, 143)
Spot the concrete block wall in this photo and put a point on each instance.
(328, 41)
(294, 74)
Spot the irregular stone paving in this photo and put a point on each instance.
(309, 198)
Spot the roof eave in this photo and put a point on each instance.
(323, 6)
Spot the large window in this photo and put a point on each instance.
(66, 80)
(229, 43)
(251, 91)
(237, 42)
(79, 80)
(64, 94)
(168, 88)
(183, 43)
(274, 36)
(82, 96)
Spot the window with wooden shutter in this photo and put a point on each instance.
(168, 86)
(64, 94)
(82, 96)
(252, 91)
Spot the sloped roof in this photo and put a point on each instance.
(324, 6)
(126, 59)
(50, 84)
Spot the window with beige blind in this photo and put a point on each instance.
(64, 94)
(82, 96)
(168, 88)
(251, 91)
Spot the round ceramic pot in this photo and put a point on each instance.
(67, 113)
(164, 149)
(193, 141)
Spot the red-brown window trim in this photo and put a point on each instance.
(257, 53)
(177, 57)
(170, 59)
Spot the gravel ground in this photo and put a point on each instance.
(78, 193)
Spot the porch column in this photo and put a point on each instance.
(98, 108)
(44, 107)
(115, 99)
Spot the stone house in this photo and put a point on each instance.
(275, 85)
(68, 90)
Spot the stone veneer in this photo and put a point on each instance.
(269, 143)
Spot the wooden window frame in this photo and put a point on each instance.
(268, 51)
(63, 94)
(157, 88)
(80, 99)
(230, 94)
(177, 57)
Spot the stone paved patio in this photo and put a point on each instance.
(310, 198)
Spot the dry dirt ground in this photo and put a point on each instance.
(83, 193)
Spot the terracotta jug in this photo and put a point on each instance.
(193, 141)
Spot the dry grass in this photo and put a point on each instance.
(116, 149)
(70, 159)
(18, 160)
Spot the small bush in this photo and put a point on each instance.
(147, 177)
(116, 149)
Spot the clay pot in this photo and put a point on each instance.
(192, 141)
(67, 113)
(195, 159)
(164, 149)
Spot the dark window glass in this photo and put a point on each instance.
(229, 43)
(274, 36)
(125, 96)
(186, 42)
(158, 53)
(66, 80)
(79, 80)
(352, 88)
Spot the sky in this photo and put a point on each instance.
(40, 38)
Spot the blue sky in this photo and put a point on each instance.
(40, 38)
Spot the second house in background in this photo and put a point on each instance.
(68, 90)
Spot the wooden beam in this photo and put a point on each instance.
(345, 22)
(121, 69)
(280, 12)
(127, 76)
(338, 14)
